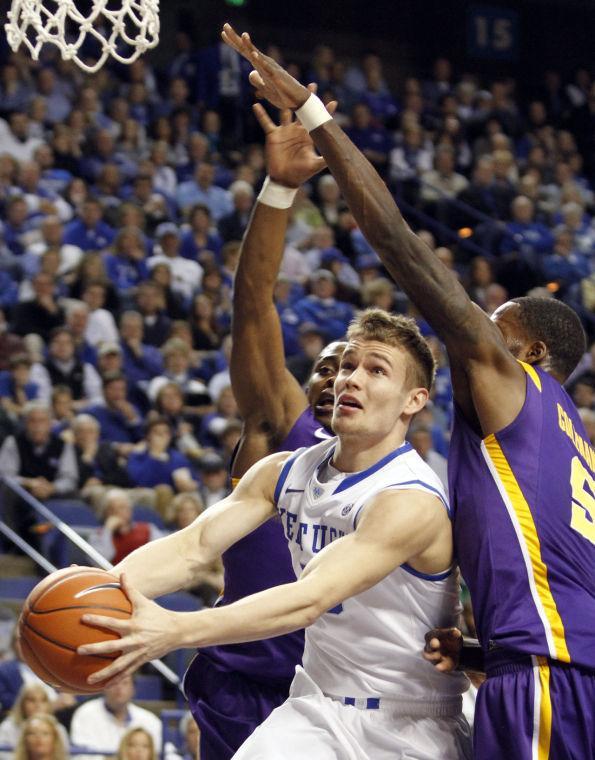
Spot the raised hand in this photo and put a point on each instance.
(290, 154)
(270, 80)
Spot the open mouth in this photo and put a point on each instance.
(348, 402)
(325, 403)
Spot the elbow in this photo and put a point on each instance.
(314, 606)
(310, 614)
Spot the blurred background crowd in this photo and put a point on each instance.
(124, 196)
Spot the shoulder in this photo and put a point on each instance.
(146, 716)
(88, 708)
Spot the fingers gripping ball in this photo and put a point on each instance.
(50, 628)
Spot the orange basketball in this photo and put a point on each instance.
(50, 628)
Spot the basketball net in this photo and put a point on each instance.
(122, 29)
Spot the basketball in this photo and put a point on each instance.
(50, 627)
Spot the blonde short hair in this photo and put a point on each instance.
(125, 741)
(402, 332)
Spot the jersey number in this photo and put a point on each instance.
(583, 500)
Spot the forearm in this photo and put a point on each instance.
(165, 565)
(431, 287)
(258, 268)
(269, 613)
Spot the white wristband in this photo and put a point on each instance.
(313, 113)
(276, 195)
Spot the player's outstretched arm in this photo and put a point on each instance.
(269, 397)
(476, 347)
(176, 561)
(396, 527)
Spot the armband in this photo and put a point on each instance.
(313, 113)
(276, 195)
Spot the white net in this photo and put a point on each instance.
(122, 29)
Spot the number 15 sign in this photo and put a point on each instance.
(492, 33)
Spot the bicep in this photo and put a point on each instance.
(488, 382)
(395, 527)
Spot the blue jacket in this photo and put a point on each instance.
(97, 238)
(114, 426)
(332, 316)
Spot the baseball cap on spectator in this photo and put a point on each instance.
(328, 255)
(109, 348)
(310, 328)
(167, 228)
(322, 274)
(211, 462)
(368, 261)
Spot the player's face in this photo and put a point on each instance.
(371, 390)
(320, 385)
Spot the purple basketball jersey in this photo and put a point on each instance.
(259, 561)
(524, 525)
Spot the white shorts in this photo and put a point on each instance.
(312, 726)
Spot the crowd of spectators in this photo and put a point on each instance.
(124, 196)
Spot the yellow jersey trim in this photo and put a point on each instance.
(527, 534)
(545, 710)
(532, 374)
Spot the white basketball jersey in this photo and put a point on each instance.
(371, 644)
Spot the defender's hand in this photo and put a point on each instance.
(290, 155)
(270, 80)
(443, 648)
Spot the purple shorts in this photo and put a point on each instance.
(535, 709)
(228, 706)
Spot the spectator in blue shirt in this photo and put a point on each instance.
(202, 190)
(374, 141)
(524, 235)
(90, 232)
(322, 308)
(201, 236)
(377, 97)
(15, 224)
(119, 420)
(57, 102)
(9, 290)
(16, 388)
(126, 266)
(141, 361)
(160, 464)
(565, 265)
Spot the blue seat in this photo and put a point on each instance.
(18, 588)
(181, 601)
(77, 514)
(148, 687)
(170, 722)
(146, 514)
